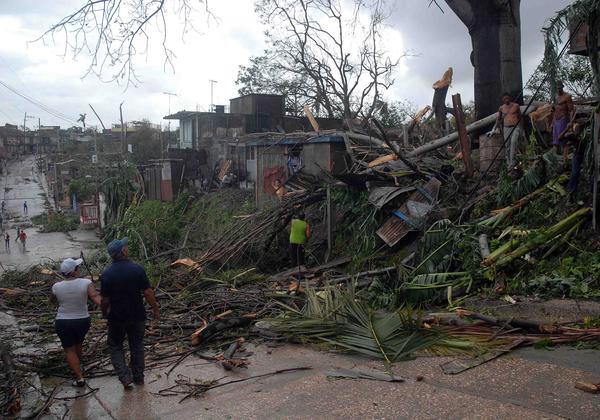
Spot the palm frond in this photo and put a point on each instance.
(339, 318)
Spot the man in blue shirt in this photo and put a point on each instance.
(122, 287)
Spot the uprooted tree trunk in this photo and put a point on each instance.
(495, 30)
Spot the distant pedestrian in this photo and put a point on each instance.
(23, 238)
(25, 207)
(299, 234)
(3, 206)
(73, 319)
(122, 287)
(7, 243)
(1, 221)
(18, 232)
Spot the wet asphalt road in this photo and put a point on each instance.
(23, 184)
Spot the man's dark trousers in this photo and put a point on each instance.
(134, 330)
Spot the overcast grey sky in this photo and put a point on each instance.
(435, 40)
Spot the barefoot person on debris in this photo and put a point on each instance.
(72, 319)
(509, 115)
(122, 287)
(564, 113)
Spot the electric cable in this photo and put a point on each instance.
(507, 138)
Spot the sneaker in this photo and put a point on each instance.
(138, 381)
(127, 384)
(78, 383)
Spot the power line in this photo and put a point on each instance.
(39, 104)
(10, 119)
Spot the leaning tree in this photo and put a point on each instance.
(495, 30)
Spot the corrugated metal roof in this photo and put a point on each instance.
(326, 139)
(292, 141)
(400, 223)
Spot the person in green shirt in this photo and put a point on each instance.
(299, 234)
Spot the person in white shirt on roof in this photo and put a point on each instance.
(72, 319)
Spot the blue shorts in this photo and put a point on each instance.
(72, 331)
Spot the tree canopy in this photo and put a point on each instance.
(325, 54)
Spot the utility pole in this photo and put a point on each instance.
(39, 139)
(96, 134)
(123, 134)
(169, 123)
(212, 103)
(169, 94)
(25, 118)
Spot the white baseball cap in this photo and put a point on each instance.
(69, 265)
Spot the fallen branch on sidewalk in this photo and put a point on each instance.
(185, 386)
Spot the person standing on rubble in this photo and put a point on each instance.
(299, 234)
(122, 287)
(564, 113)
(72, 319)
(509, 116)
(7, 242)
(25, 210)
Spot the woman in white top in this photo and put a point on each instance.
(73, 320)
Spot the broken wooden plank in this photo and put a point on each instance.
(587, 387)
(381, 160)
(311, 118)
(465, 141)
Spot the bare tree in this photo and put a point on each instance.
(341, 56)
(113, 32)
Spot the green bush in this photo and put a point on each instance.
(82, 189)
(56, 221)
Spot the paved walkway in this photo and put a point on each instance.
(22, 184)
(526, 384)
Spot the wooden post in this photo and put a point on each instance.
(329, 224)
(465, 142)
(405, 135)
(311, 118)
(596, 170)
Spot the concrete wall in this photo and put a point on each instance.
(319, 157)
